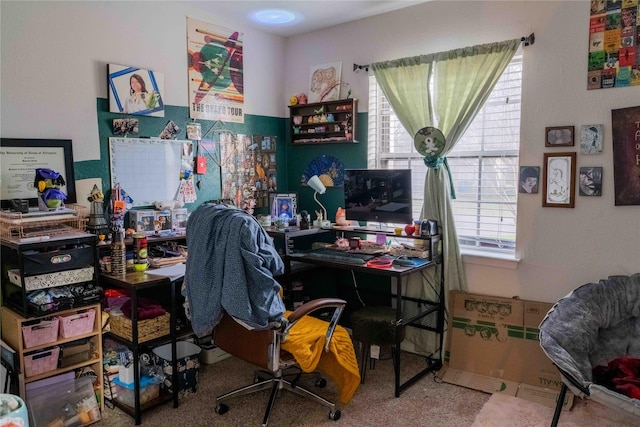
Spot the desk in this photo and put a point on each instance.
(134, 282)
(398, 276)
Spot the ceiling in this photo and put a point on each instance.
(313, 14)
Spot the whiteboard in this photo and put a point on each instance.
(148, 170)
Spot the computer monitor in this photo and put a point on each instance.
(380, 195)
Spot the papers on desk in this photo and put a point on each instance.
(174, 272)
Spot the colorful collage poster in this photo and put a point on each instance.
(614, 44)
(248, 168)
(216, 77)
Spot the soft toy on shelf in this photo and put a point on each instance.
(48, 183)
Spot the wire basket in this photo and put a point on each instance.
(148, 329)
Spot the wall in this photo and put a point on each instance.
(54, 74)
(560, 248)
(51, 79)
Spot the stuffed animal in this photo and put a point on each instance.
(48, 183)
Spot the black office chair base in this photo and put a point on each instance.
(276, 384)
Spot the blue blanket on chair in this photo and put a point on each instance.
(231, 265)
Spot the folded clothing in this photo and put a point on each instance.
(147, 309)
(621, 375)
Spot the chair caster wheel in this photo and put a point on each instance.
(335, 415)
(321, 382)
(222, 409)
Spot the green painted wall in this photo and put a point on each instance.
(353, 156)
(291, 160)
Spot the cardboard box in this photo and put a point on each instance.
(494, 338)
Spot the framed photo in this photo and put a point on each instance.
(590, 181)
(558, 184)
(591, 139)
(558, 136)
(324, 82)
(134, 90)
(529, 179)
(283, 204)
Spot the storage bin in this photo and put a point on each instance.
(77, 324)
(41, 332)
(125, 392)
(50, 280)
(188, 365)
(36, 262)
(69, 403)
(41, 361)
(147, 329)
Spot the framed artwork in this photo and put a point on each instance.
(284, 205)
(324, 83)
(529, 179)
(625, 130)
(591, 139)
(558, 136)
(590, 181)
(134, 90)
(558, 183)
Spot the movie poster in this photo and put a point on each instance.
(625, 124)
(614, 44)
(216, 80)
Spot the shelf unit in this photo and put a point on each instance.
(60, 260)
(311, 123)
(146, 284)
(12, 323)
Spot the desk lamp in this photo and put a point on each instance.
(315, 183)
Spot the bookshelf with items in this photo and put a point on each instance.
(328, 122)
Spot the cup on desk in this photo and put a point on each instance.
(398, 231)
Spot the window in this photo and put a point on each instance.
(484, 163)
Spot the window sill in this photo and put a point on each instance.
(490, 259)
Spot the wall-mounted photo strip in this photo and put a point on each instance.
(590, 181)
(529, 179)
(591, 137)
(558, 184)
(134, 90)
(125, 127)
(558, 136)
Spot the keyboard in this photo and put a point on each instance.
(333, 255)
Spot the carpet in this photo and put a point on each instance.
(504, 410)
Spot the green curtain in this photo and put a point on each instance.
(463, 80)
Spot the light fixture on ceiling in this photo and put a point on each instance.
(275, 17)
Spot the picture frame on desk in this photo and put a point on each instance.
(283, 204)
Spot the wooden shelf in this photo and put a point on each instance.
(330, 122)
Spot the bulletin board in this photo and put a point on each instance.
(147, 169)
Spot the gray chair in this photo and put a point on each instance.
(592, 326)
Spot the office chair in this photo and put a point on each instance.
(262, 348)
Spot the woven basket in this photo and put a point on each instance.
(147, 329)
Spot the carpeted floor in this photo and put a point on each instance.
(426, 403)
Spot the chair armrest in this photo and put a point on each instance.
(314, 305)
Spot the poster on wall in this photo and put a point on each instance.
(216, 78)
(625, 125)
(324, 82)
(614, 44)
(134, 90)
(248, 168)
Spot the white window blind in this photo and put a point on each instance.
(484, 163)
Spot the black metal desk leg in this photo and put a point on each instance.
(559, 403)
(396, 350)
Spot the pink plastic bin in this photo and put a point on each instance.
(77, 324)
(43, 332)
